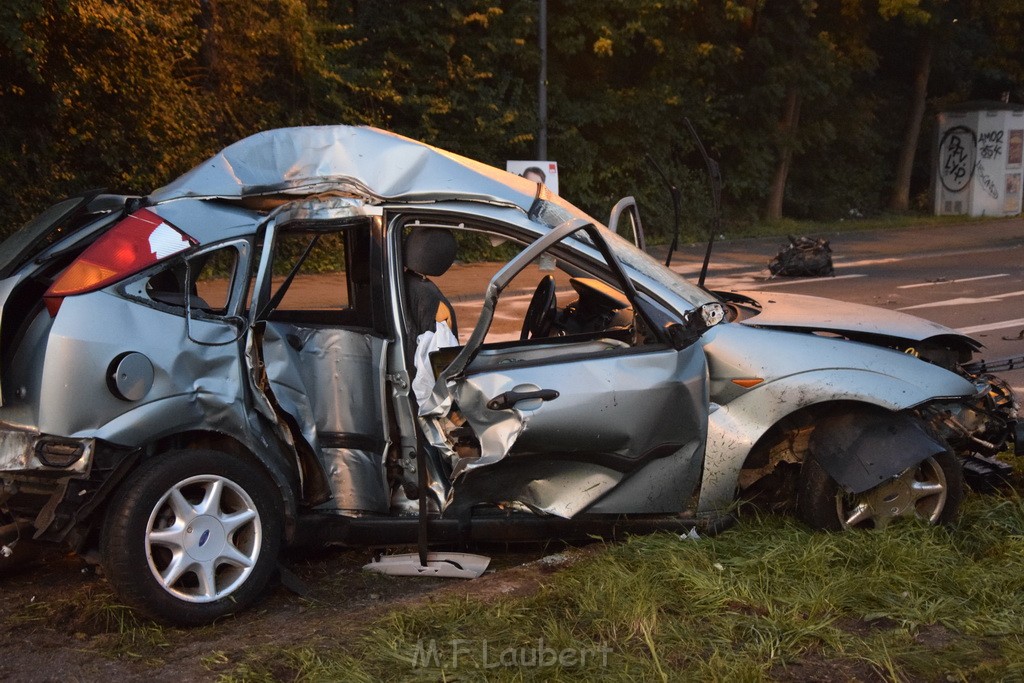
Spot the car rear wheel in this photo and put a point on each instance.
(192, 536)
(930, 491)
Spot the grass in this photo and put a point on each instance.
(95, 614)
(767, 600)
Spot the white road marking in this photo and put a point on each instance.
(801, 281)
(1019, 322)
(687, 270)
(951, 282)
(964, 301)
(923, 255)
(869, 261)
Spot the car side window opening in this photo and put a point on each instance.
(207, 277)
(559, 297)
(321, 277)
(309, 272)
(563, 307)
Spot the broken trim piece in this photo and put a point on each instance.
(445, 565)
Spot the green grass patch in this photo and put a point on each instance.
(766, 600)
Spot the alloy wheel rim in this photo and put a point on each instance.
(919, 492)
(203, 538)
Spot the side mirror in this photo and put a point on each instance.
(696, 322)
(634, 229)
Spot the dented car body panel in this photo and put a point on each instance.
(617, 409)
(848, 372)
(781, 310)
(373, 164)
(257, 314)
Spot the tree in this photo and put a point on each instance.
(95, 97)
(455, 74)
(128, 95)
(794, 97)
(797, 67)
(927, 24)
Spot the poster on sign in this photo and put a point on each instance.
(539, 171)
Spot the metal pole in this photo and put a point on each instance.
(542, 84)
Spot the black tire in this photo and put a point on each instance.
(242, 525)
(824, 505)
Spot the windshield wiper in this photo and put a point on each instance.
(715, 180)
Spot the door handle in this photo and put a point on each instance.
(510, 398)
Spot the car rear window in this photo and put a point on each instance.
(36, 235)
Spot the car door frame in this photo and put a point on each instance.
(511, 269)
(676, 468)
(364, 478)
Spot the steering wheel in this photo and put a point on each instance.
(541, 312)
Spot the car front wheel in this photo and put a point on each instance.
(930, 491)
(192, 536)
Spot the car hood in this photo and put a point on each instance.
(817, 314)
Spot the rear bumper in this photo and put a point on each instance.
(23, 450)
(50, 486)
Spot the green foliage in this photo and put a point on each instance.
(453, 74)
(129, 94)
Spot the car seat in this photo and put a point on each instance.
(428, 252)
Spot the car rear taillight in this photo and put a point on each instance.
(136, 243)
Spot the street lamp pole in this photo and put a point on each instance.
(542, 84)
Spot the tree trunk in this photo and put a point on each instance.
(787, 129)
(900, 199)
(207, 23)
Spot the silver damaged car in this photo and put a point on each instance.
(274, 350)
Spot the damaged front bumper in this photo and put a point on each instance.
(986, 424)
(980, 428)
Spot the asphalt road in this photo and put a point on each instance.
(969, 277)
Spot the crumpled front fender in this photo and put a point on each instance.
(735, 428)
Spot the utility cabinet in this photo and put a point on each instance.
(979, 160)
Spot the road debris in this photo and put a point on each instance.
(803, 257)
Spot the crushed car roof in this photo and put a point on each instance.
(360, 161)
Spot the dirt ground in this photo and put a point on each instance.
(59, 621)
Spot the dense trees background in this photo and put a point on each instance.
(815, 109)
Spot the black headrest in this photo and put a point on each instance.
(430, 251)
